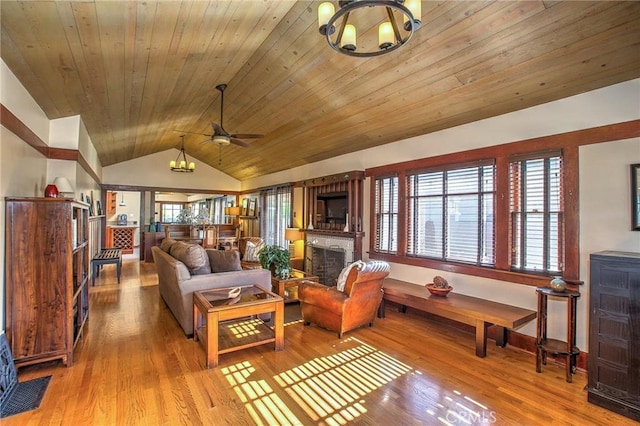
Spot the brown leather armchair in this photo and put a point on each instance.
(342, 311)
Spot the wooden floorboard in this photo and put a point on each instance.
(135, 366)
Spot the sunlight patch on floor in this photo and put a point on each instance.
(332, 390)
(244, 328)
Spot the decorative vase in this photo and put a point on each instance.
(558, 284)
(51, 191)
(346, 227)
(310, 222)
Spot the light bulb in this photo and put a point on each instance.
(386, 38)
(349, 38)
(325, 12)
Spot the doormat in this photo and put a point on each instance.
(16, 398)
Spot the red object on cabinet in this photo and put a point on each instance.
(51, 191)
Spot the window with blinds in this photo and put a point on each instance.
(536, 210)
(276, 213)
(386, 215)
(450, 214)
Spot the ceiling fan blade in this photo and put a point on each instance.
(247, 135)
(193, 133)
(217, 129)
(206, 141)
(239, 142)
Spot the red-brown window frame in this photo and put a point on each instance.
(568, 142)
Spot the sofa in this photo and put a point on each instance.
(184, 268)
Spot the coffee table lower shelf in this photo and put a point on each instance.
(255, 330)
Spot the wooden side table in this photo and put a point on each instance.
(211, 308)
(288, 288)
(568, 348)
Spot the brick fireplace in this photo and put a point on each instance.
(332, 223)
(327, 255)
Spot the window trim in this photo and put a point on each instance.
(568, 142)
(172, 203)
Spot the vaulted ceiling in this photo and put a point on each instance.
(137, 71)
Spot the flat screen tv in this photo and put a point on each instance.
(336, 205)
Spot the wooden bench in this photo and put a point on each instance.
(105, 256)
(474, 311)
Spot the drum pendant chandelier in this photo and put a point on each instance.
(400, 19)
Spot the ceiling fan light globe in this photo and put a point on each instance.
(221, 140)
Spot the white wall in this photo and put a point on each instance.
(24, 171)
(22, 168)
(604, 171)
(605, 202)
(153, 171)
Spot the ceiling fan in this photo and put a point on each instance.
(220, 136)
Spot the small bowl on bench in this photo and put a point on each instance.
(438, 291)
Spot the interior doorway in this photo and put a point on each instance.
(124, 223)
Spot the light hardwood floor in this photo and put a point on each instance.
(136, 367)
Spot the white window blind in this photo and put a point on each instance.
(536, 205)
(450, 214)
(386, 215)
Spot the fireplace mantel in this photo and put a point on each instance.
(334, 232)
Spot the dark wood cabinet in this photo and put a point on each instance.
(614, 332)
(46, 281)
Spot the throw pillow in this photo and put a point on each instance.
(224, 260)
(194, 256)
(166, 244)
(344, 274)
(252, 250)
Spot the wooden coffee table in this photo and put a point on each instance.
(287, 288)
(225, 325)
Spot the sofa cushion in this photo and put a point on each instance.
(253, 248)
(194, 256)
(166, 244)
(224, 260)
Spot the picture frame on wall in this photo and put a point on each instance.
(244, 210)
(252, 207)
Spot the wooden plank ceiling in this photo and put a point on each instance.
(137, 71)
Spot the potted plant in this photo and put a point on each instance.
(276, 259)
